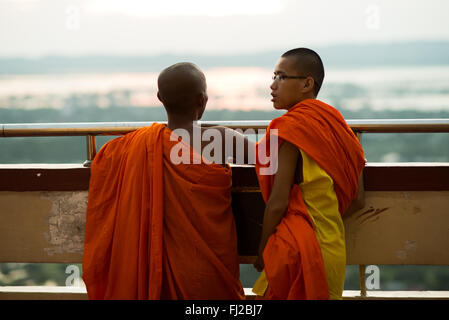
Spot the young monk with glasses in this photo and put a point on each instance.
(302, 251)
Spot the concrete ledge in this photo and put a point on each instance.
(79, 293)
(42, 293)
(396, 295)
(58, 293)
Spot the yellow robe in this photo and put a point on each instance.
(322, 204)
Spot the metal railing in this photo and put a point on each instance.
(113, 128)
(92, 129)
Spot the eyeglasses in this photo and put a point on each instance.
(282, 77)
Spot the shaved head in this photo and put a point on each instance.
(308, 63)
(180, 87)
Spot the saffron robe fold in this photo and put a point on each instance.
(294, 264)
(155, 229)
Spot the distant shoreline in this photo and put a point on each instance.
(418, 53)
(234, 88)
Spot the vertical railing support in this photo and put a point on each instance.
(91, 149)
(358, 134)
(362, 267)
(362, 270)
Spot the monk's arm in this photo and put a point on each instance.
(278, 202)
(359, 201)
(248, 151)
(239, 148)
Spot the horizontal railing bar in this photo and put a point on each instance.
(399, 125)
(118, 128)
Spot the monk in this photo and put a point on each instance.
(302, 251)
(159, 223)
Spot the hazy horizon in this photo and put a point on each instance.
(233, 88)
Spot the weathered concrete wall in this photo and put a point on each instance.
(42, 226)
(400, 228)
(394, 227)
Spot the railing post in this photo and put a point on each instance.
(362, 280)
(91, 150)
(358, 134)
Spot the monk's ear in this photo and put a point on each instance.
(159, 97)
(309, 84)
(202, 99)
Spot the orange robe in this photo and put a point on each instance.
(293, 261)
(157, 230)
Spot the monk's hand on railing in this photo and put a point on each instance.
(259, 264)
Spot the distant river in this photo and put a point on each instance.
(245, 88)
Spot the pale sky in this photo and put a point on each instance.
(30, 28)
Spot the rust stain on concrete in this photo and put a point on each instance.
(416, 210)
(370, 214)
(409, 248)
